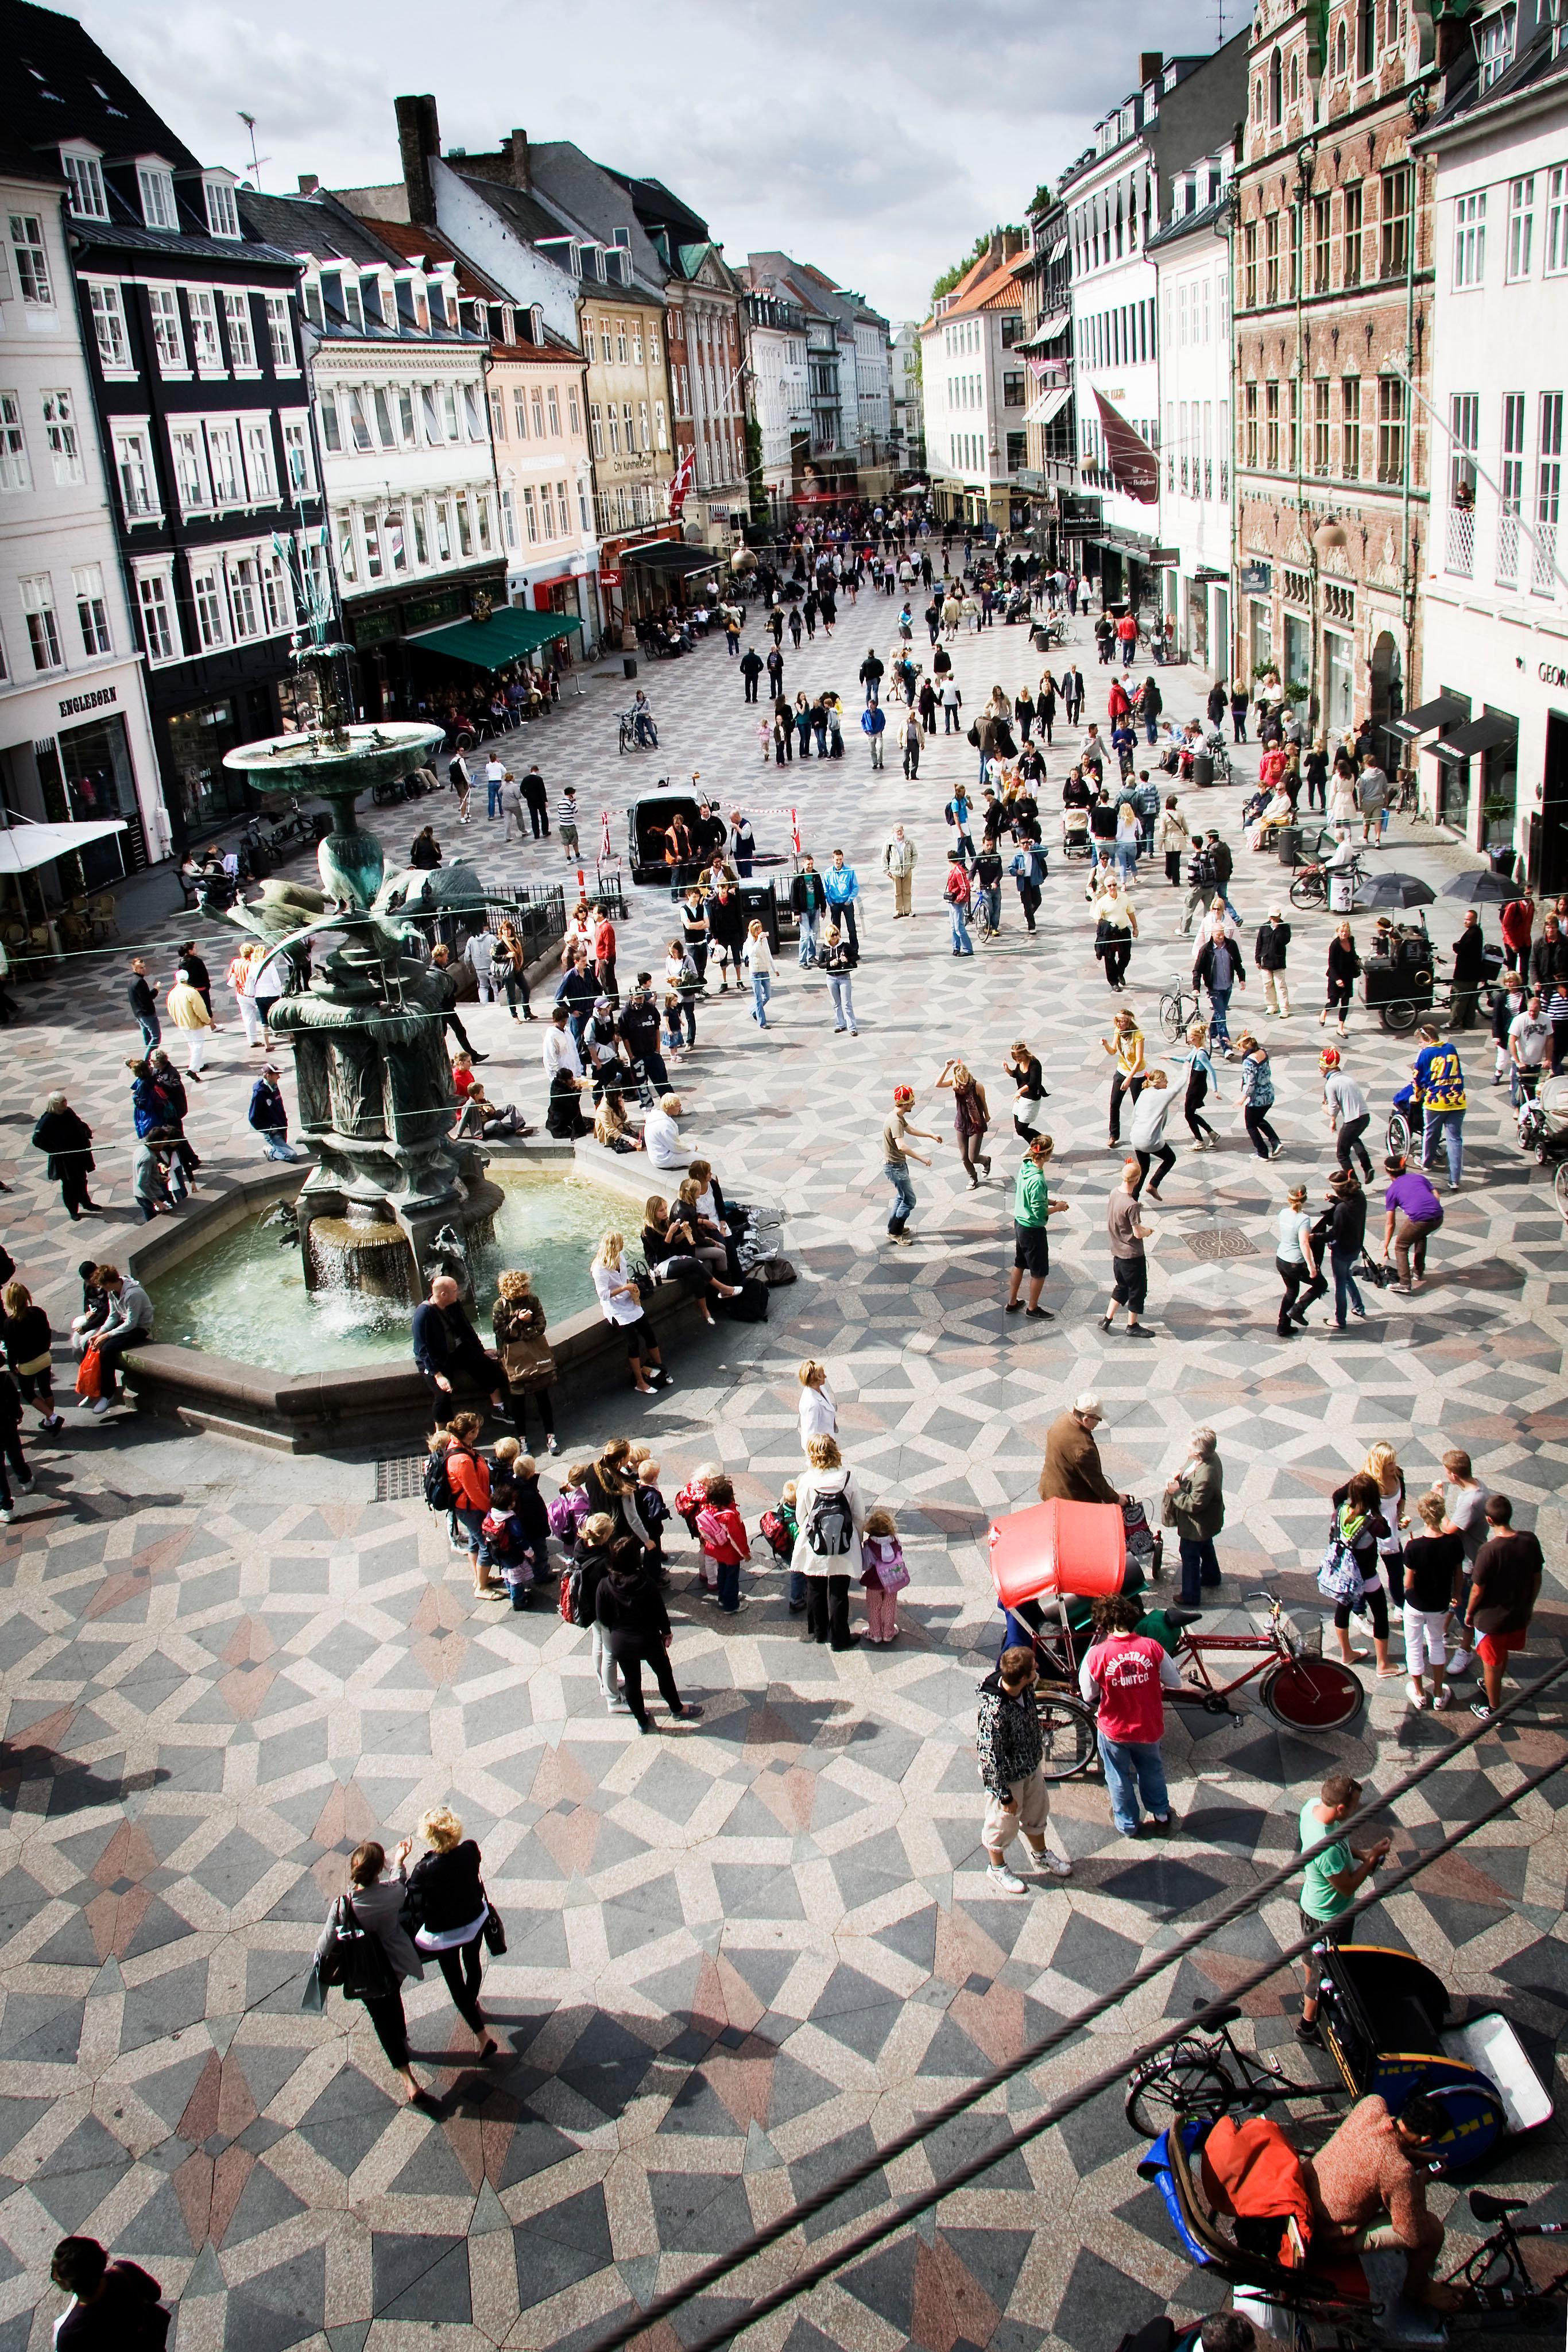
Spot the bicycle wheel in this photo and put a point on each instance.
(1400, 1018)
(1067, 1730)
(1188, 2081)
(1311, 1694)
(1307, 889)
(1398, 1135)
(1560, 1186)
(1173, 1013)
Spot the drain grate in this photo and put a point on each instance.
(401, 1479)
(1220, 1241)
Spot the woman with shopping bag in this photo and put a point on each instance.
(365, 1949)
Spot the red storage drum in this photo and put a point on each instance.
(1077, 1548)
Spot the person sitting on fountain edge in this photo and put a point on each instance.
(446, 1342)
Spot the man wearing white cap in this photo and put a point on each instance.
(1072, 1472)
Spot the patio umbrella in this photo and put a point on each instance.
(1382, 890)
(1482, 888)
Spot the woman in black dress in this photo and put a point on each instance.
(631, 1614)
(446, 1897)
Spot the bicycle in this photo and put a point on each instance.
(1178, 1007)
(1496, 2277)
(630, 740)
(1311, 886)
(1207, 2076)
(1300, 1687)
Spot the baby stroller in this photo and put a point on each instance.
(1542, 1118)
(1075, 837)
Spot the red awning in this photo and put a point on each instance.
(1129, 460)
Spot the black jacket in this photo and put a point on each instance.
(640, 1025)
(1268, 952)
(806, 892)
(631, 1614)
(1224, 863)
(1343, 963)
(1470, 958)
(139, 997)
(727, 920)
(445, 1890)
(67, 1139)
(1203, 963)
(1549, 961)
(1347, 1227)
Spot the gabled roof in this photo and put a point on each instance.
(989, 286)
(594, 201)
(59, 85)
(1208, 216)
(413, 241)
(318, 225)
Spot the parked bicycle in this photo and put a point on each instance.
(1178, 1006)
(1496, 2277)
(1310, 887)
(1207, 2074)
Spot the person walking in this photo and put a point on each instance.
(1146, 1134)
(874, 725)
(1219, 968)
(1330, 1883)
(374, 1905)
(188, 1012)
(971, 1117)
(1175, 840)
(1258, 1095)
(1470, 953)
(751, 671)
(446, 1899)
(536, 793)
(1115, 927)
(1125, 1672)
(839, 962)
(830, 1514)
(913, 737)
(1296, 1263)
(1439, 1080)
(1344, 966)
(1516, 922)
(1505, 1585)
(1033, 1209)
(1194, 1506)
(1045, 705)
(1023, 1070)
(29, 1343)
(843, 896)
(1412, 1214)
(462, 784)
(1346, 1236)
(67, 1141)
(1072, 695)
(1010, 1750)
(1129, 1264)
(1269, 951)
(1199, 1079)
(899, 859)
(1345, 1109)
(1126, 1046)
(896, 1157)
(143, 1006)
(633, 1626)
(757, 955)
(956, 892)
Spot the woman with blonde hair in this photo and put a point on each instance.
(1381, 1471)
(447, 1903)
(518, 1320)
(971, 1116)
(620, 1302)
(830, 1514)
(818, 1413)
(1126, 1045)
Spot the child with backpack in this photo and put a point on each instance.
(517, 1526)
(690, 1497)
(653, 1512)
(884, 1576)
(570, 1508)
(438, 1495)
(725, 1544)
(781, 1527)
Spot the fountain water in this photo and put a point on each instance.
(370, 1053)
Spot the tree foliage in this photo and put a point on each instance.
(949, 278)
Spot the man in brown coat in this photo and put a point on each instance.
(1070, 1472)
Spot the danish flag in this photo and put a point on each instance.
(683, 481)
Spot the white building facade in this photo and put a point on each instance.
(908, 397)
(975, 391)
(1192, 266)
(75, 739)
(1492, 731)
(780, 389)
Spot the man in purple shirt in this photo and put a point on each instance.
(1411, 1212)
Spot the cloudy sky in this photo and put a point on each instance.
(873, 137)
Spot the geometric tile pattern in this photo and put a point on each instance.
(742, 1958)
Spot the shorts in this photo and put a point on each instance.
(35, 1385)
(1032, 1255)
(1492, 1648)
(1130, 1283)
(567, 836)
(1324, 1931)
(1031, 1799)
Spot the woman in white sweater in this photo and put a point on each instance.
(757, 957)
(830, 1513)
(819, 1415)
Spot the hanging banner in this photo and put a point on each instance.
(1129, 460)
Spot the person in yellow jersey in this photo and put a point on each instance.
(1439, 1078)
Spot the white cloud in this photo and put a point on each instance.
(873, 137)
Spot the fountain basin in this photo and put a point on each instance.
(349, 1378)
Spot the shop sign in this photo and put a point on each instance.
(75, 704)
(1549, 673)
(1257, 579)
(1079, 512)
(374, 629)
(609, 579)
(1161, 558)
(428, 611)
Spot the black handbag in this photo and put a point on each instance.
(356, 1959)
(493, 1930)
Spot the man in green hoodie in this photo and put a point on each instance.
(1033, 1209)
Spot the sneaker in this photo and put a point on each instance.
(55, 1421)
(1057, 1864)
(1442, 1699)
(688, 1714)
(1414, 1693)
(101, 1405)
(550, 1444)
(1480, 1709)
(742, 1603)
(1307, 2030)
(6, 1517)
(1008, 1880)
(711, 1599)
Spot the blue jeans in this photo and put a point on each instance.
(810, 920)
(1344, 1283)
(761, 990)
(1199, 1568)
(962, 943)
(152, 1032)
(1450, 1126)
(728, 1584)
(1132, 1770)
(493, 797)
(278, 1147)
(1219, 1008)
(839, 989)
(1127, 860)
(903, 1196)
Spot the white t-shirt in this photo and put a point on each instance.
(558, 1050)
(608, 1281)
(1531, 1034)
(1150, 1112)
(818, 1417)
(662, 1139)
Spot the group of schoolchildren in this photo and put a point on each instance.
(498, 1515)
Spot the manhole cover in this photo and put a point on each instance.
(1220, 1241)
(401, 1480)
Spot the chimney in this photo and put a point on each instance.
(994, 251)
(517, 159)
(1151, 65)
(1013, 242)
(309, 184)
(419, 140)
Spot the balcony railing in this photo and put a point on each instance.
(1507, 550)
(1542, 570)
(1461, 554)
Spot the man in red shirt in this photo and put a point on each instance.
(1126, 1671)
(604, 953)
(1127, 636)
(1516, 922)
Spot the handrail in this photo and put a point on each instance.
(801, 2279)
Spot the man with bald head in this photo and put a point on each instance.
(445, 1344)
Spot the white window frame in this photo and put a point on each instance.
(280, 334)
(133, 449)
(208, 601)
(1556, 253)
(223, 213)
(92, 611)
(247, 610)
(107, 304)
(60, 431)
(206, 342)
(15, 473)
(31, 254)
(155, 187)
(394, 529)
(299, 481)
(276, 592)
(37, 594)
(260, 459)
(168, 331)
(520, 412)
(224, 496)
(159, 610)
(241, 332)
(84, 170)
(188, 461)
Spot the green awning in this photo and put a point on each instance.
(491, 645)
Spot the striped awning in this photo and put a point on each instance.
(1049, 404)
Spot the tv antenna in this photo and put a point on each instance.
(256, 161)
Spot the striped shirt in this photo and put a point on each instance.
(567, 813)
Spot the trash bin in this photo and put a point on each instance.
(1288, 841)
(1202, 769)
(629, 664)
(1342, 891)
(761, 901)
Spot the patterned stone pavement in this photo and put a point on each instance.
(741, 1956)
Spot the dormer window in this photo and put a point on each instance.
(222, 213)
(1494, 37)
(155, 184)
(536, 324)
(310, 294)
(85, 174)
(353, 308)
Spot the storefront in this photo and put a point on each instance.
(87, 757)
(574, 593)
(630, 594)
(209, 793)
(382, 629)
(673, 574)
(488, 643)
